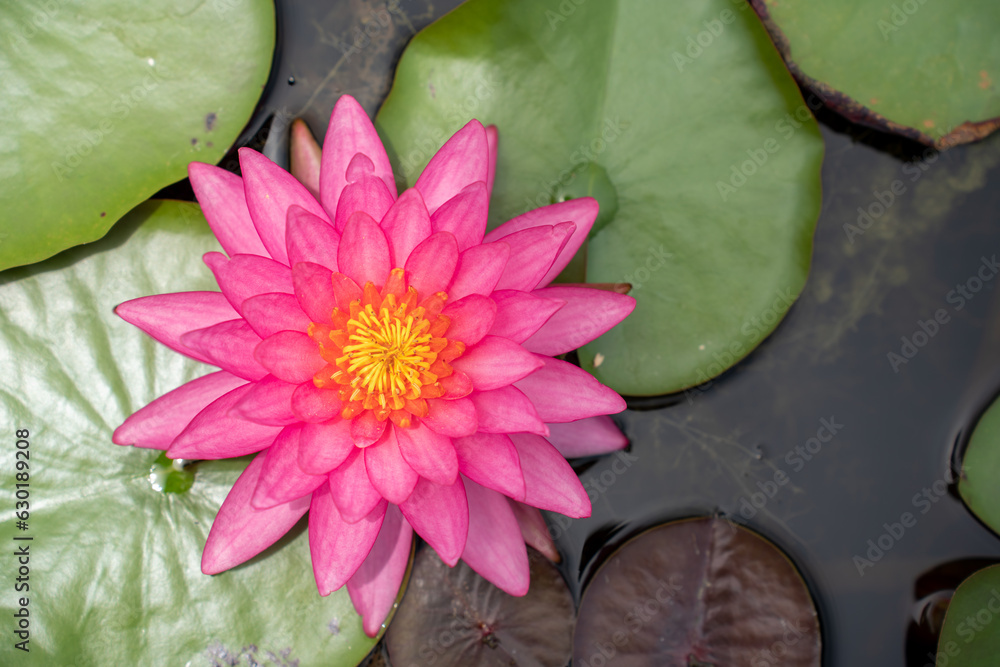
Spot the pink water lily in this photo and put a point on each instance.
(391, 361)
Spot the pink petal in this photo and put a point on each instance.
(562, 392)
(268, 402)
(532, 252)
(167, 317)
(496, 362)
(306, 157)
(454, 418)
(463, 160)
(245, 276)
(534, 530)
(375, 585)
(352, 490)
(429, 453)
(491, 459)
(587, 437)
(582, 212)
(549, 481)
(215, 434)
(324, 447)
(456, 385)
(431, 265)
(310, 238)
(291, 356)
(314, 405)
(521, 314)
(391, 476)
(267, 314)
(156, 425)
(479, 269)
(350, 132)
(491, 145)
(368, 194)
(224, 205)
(314, 291)
(506, 410)
(270, 190)
(440, 515)
(471, 318)
(228, 345)
(366, 429)
(406, 224)
(240, 531)
(495, 548)
(364, 253)
(588, 313)
(281, 480)
(464, 215)
(345, 290)
(338, 547)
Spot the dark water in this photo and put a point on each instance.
(895, 431)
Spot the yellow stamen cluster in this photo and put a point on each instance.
(387, 353)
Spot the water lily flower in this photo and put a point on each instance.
(393, 364)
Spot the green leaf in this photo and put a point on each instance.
(969, 637)
(927, 70)
(106, 102)
(981, 469)
(715, 256)
(115, 576)
(698, 592)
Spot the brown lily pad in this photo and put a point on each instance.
(452, 617)
(697, 593)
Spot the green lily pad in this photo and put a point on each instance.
(115, 576)
(713, 160)
(697, 593)
(106, 102)
(926, 70)
(969, 637)
(981, 469)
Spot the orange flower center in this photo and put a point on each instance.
(388, 352)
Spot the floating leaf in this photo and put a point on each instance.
(697, 593)
(711, 159)
(452, 617)
(115, 576)
(969, 637)
(106, 101)
(927, 70)
(981, 469)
